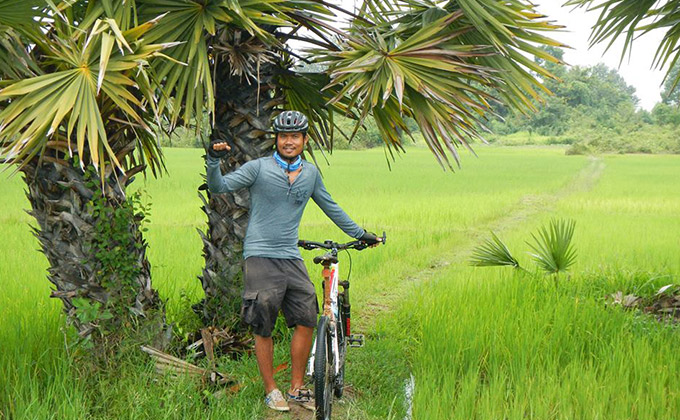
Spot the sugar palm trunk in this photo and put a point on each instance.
(243, 112)
(83, 229)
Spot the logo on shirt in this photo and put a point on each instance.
(300, 196)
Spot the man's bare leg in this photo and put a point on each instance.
(264, 352)
(299, 352)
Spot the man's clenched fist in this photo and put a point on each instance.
(218, 148)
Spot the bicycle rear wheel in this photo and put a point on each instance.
(323, 370)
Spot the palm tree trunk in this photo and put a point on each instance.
(243, 112)
(91, 237)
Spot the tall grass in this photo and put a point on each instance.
(502, 346)
(495, 344)
(425, 211)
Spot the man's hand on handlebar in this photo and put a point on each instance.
(371, 239)
(218, 148)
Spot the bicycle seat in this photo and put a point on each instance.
(329, 258)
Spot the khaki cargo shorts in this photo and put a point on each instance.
(273, 284)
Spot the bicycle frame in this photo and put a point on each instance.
(331, 309)
(327, 360)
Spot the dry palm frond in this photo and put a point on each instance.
(664, 304)
(168, 364)
(224, 341)
(245, 53)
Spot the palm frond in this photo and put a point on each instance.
(15, 62)
(513, 32)
(417, 78)
(553, 251)
(437, 65)
(90, 81)
(23, 13)
(632, 18)
(123, 12)
(189, 85)
(493, 253)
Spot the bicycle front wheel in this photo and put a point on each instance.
(323, 370)
(339, 383)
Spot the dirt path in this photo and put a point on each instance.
(529, 206)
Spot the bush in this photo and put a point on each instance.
(579, 149)
(644, 138)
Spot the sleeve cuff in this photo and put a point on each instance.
(212, 161)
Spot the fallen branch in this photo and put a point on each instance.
(168, 364)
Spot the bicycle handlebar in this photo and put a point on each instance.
(358, 245)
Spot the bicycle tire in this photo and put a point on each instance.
(339, 383)
(323, 371)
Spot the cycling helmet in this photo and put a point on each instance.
(290, 121)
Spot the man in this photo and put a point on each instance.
(275, 277)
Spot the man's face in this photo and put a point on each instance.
(290, 145)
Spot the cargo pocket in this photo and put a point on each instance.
(249, 313)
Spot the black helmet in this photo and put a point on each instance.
(290, 121)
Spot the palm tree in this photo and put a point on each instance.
(432, 61)
(76, 100)
(83, 83)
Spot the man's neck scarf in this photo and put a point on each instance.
(288, 166)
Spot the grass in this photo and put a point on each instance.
(497, 344)
(482, 343)
(502, 346)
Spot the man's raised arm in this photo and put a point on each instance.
(243, 177)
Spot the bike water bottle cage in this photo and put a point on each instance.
(288, 166)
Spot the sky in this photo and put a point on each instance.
(635, 69)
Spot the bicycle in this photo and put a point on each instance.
(326, 363)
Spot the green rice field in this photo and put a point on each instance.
(444, 340)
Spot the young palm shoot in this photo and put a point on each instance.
(552, 248)
(493, 253)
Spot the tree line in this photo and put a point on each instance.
(594, 110)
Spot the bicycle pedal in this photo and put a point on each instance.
(356, 340)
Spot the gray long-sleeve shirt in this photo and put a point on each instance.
(276, 205)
